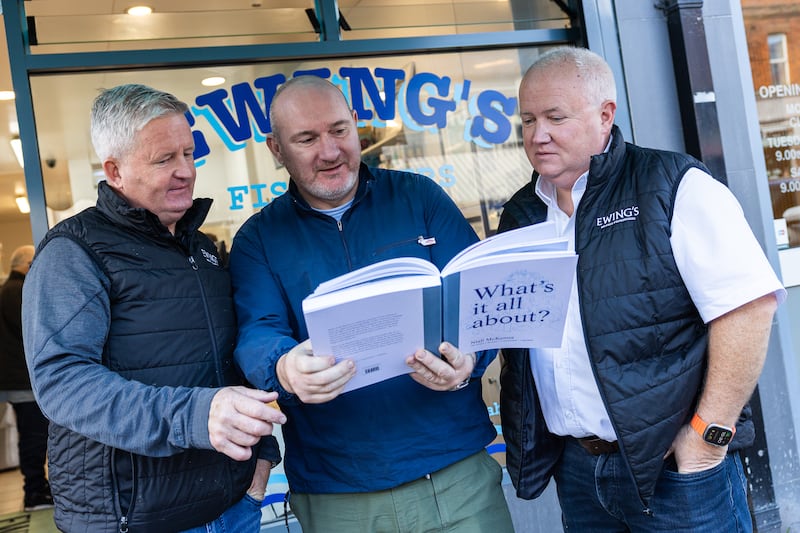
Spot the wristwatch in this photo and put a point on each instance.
(712, 433)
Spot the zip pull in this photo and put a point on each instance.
(191, 262)
(339, 225)
(123, 524)
(286, 510)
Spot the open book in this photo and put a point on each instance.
(510, 290)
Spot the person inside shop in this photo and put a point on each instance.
(15, 387)
(129, 331)
(404, 454)
(639, 414)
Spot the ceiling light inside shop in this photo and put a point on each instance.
(213, 81)
(7, 95)
(23, 205)
(493, 64)
(16, 147)
(139, 11)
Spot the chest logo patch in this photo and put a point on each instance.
(626, 214)
(211, 258)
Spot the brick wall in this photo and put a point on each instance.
(764, 17)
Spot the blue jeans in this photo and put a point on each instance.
(242, 517)
(597, 494)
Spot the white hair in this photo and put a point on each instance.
(119, 113)
(597, 78)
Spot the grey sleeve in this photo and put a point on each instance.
(65, 318)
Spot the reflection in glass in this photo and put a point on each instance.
(769, 30)
(451, 117)
(95, 25)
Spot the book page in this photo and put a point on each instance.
(521, 303)
(537, 237)
(377, 325)
(400, 266)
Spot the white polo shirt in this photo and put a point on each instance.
(719, 259)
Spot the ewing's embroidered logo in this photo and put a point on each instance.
(211, 258)
(621, 215)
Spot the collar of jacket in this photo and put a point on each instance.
(121, 212)
(605, 165)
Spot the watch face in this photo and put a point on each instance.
(718, 435)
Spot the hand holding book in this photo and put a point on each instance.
(444, 373)
(313, 379)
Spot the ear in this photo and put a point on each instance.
(607, 112)
(111, 170)
(274, 147)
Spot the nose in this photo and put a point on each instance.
(186, 168)
(329, 148)
(540, 134)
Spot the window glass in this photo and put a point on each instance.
(451, 117)
(375, 20)
(99, 25)
(773, 49)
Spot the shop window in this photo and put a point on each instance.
(406, 19)
(451, 117)
(63, 27)
(95, 25)
(772, 38)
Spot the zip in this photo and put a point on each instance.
(124, 515)
(209, 322)
(645, 508)
(340, 226)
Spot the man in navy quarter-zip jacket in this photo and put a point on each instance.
(405, 454)
(129, 328)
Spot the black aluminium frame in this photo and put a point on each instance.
(24, 64)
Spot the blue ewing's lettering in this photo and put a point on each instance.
(424, 102)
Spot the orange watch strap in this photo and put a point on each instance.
(700, 425)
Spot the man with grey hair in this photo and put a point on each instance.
(129, 332)
(15, 386)
(640, 411)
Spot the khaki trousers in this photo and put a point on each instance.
(466, 497)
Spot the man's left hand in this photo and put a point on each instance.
(693, 454)
(441, 374)
(239, 417)
(258, 488)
